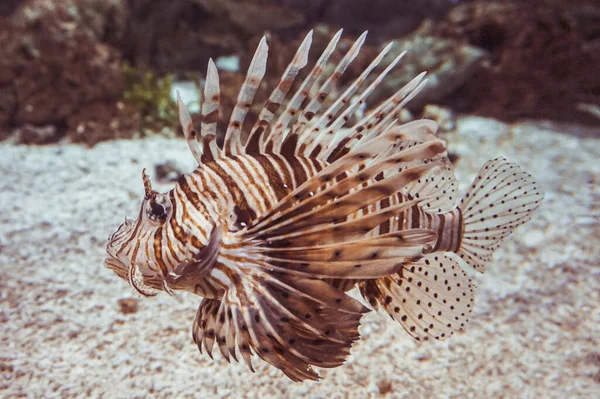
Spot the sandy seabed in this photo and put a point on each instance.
(534, 333)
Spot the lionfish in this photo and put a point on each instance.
(273, 230)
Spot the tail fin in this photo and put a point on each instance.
(501, 198)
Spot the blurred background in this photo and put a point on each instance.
(92, 70)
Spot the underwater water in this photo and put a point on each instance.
(87, 100)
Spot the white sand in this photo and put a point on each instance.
(534, 332)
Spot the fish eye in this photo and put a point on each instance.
(158, 208)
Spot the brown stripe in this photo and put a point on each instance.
(192, 197)
(135, 231)
(415, 217)
(315, 153)
(285, 169)
(177, 230)
(338, 152)
(460, 227)
(385, 226)
(269, 147)
(272, 106)
(288, 148)
(311, 165)
(429, 220)
(450, 223)
(302, 149)
(211, 117)
(157, 247)
(245, 167)
(275, 180)
(172, 250)
(317, 165)
(440, 232)
(234, 189)
(286, 84)
(207, 155)
(196, 243)
(400, 216)
(300, 175)
(253, 143)
(134, 253)
(195, 178)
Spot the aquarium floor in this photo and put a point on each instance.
(534, 331)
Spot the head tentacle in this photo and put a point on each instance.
(148, 191)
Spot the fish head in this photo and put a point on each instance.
(131, 250)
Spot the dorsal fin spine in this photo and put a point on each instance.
(341, 120)
(401, 105)
(363, 129)
(334, 126)
(316, 103)
(278, 134)
(189, 131)
(256, 72)
(210, 113)
(278, 95)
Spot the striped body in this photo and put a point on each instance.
(238, 189)
(234, 192)
(250, 186)
(448, 226)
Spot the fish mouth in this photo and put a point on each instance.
(146, 285)
(117, 266)
(119, 238)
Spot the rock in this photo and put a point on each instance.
(254, 16)
(101, 121)
(128, 305)
(179, 36)
(543, 58)
(8, 101)
(30, 134)
(384, 19)
(52, 62)
(384, 387)
(8, 6)
(449, 64)
(168, 171)
(533, 238)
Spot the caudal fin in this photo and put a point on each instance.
(501, 198)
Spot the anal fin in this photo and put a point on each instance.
(432, 297)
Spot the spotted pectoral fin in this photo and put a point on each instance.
(429, 298)
(291, 323)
